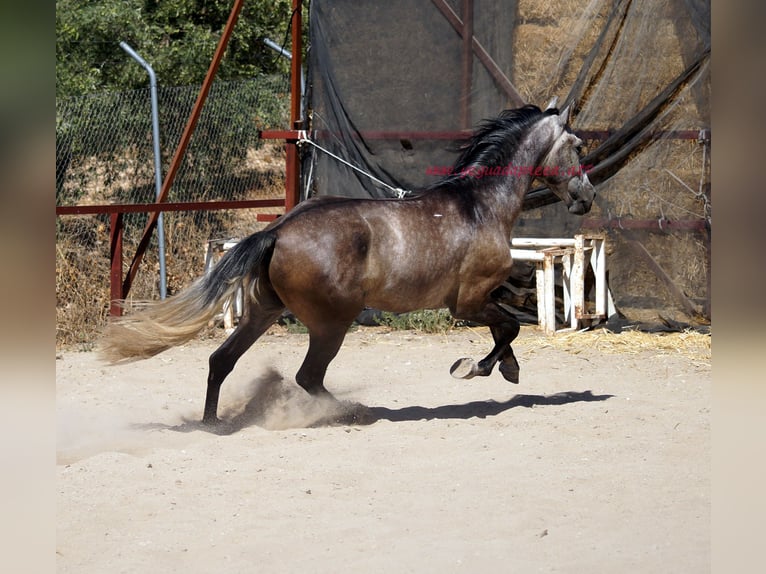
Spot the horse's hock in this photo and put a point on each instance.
(574, 256)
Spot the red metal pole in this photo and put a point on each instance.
(292, 165)
(115, 273)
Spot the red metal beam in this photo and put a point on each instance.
(669, 134)
(484, 57)
(167, 206)
(465, 134)
(279, 135)
(116, 293)
(292, 164)
(117, 211)
(651, 224)
(296, 62)
(467, 70)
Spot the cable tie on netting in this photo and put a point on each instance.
(398, 191)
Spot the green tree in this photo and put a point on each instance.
(177, 37)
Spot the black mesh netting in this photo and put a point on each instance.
(394, 86)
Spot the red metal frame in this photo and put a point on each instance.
(294, 135)
(467, 68)
(481, 53)
(116, 213)
(658, 224)
(170, 206)
(115, 258)
(183, 144)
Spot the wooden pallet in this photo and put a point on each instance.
(574, 255)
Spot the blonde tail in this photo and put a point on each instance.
(164, 324)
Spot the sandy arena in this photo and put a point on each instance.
(598, 462)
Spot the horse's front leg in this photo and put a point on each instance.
(504, 327)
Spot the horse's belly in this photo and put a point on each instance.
(404, 296)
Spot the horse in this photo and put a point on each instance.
(329, 258)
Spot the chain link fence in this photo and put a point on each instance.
(104, 155)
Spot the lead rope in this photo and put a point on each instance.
(303, 138)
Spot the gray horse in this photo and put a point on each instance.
(329, 258)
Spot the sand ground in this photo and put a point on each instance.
(596, 462)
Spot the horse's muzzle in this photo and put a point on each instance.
(579, 208)
(582, 192)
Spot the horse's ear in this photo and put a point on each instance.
(552, 103)
(564, 116)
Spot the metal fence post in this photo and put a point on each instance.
(157, 161)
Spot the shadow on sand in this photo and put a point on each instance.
(482, 409)
(275, 405)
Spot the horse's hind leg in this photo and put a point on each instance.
(258, 317)
(324, 343)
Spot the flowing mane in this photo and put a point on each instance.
(492, 144)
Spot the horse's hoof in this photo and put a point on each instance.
(464, 368)
(510, 372)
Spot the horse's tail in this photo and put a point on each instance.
(164, 324)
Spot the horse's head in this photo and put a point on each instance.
(561, 168)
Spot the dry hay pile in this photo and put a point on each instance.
(551, 40)
(689, 343)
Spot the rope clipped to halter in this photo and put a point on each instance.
(398, 191)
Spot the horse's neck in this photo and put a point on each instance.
(504, 194)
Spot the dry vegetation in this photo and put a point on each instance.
(690, 344)
(82, 247)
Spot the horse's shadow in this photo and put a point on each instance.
(482, 409)
(273, 404)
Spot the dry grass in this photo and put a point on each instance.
(690, 344)
(547, 63)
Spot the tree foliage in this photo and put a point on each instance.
(176, 37)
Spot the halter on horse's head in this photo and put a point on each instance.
(529, 141)
(566, 177)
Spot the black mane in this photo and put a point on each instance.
(492, 144)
